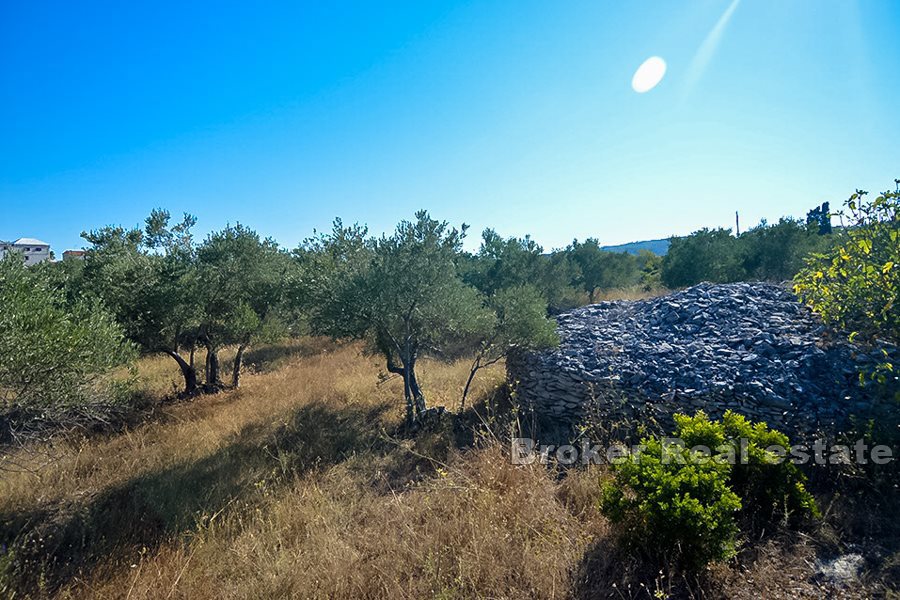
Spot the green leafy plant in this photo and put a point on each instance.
(599, 269)
(767, 483)
(53, 355)
(681, 505)
(855, 285)
(518, 321)
(683, 495)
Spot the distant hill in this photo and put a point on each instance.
(656, 246)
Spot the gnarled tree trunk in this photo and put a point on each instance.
(394, 368)
(412, 394)
(417, 395)
(187, 371)
(236, 370)
(213, 382)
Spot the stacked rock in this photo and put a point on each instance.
(751, 347)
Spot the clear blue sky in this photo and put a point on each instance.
(517, 115)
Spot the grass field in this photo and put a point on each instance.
(299, 485)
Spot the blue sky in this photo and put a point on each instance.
(516, 115)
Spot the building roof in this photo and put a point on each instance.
(29, 242)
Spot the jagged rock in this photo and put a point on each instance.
(708, 346)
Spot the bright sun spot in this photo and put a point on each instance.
(648, 75)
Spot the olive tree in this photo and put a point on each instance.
(53, 353)
(518, 321)
(147, 279)
(402, 293)
(600, 269)
(240, 287)
(503, 263)
(705, 255)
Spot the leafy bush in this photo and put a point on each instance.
(705, 255)
(856, 285)
(777, 252)
(681, 505)
(53, 355)
(598, 269)
(765, 252)
(518, 321)
(679, 498)
(767, 485)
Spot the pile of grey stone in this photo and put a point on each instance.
(751, 347)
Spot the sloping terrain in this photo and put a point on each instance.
(300, 485)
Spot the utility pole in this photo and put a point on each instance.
(737, 223)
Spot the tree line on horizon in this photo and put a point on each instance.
(411, 293)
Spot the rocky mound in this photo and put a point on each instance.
(747, 346)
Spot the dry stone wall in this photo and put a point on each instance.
(751, 347)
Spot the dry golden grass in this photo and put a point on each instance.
(298, 486)
(289, 486)
(479, 528)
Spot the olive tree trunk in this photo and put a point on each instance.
(212, 369)
(236, 371)
(187, 371)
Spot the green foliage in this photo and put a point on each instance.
(415, 293)
(777, 252)
(150, 289)
(507, 263)
(240, 285)
(149, 283)
(411, 294)
(325, 264)
(651, 270)
(402, 293)
(705, 255)
(820, 218)
(682, 494)
(855, 285)
(52, 353)
(518, 321)
(170, 294)
(521, 319)
(765, 252)
(682, 505)
(599, 269)
(766, 484)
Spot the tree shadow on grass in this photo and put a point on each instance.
(609, 570)
(265, 359)
(44, 548)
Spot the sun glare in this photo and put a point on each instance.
(648, 75)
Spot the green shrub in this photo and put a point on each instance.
(53, 354)
(768, 486)
(683, 505)
(705, 255)
(675, 498)
(856, 285)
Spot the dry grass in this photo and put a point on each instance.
(479, 528)
(298, 485)
(297, 463)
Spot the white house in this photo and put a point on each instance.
(33, 251)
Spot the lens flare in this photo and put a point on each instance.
(648, 75)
